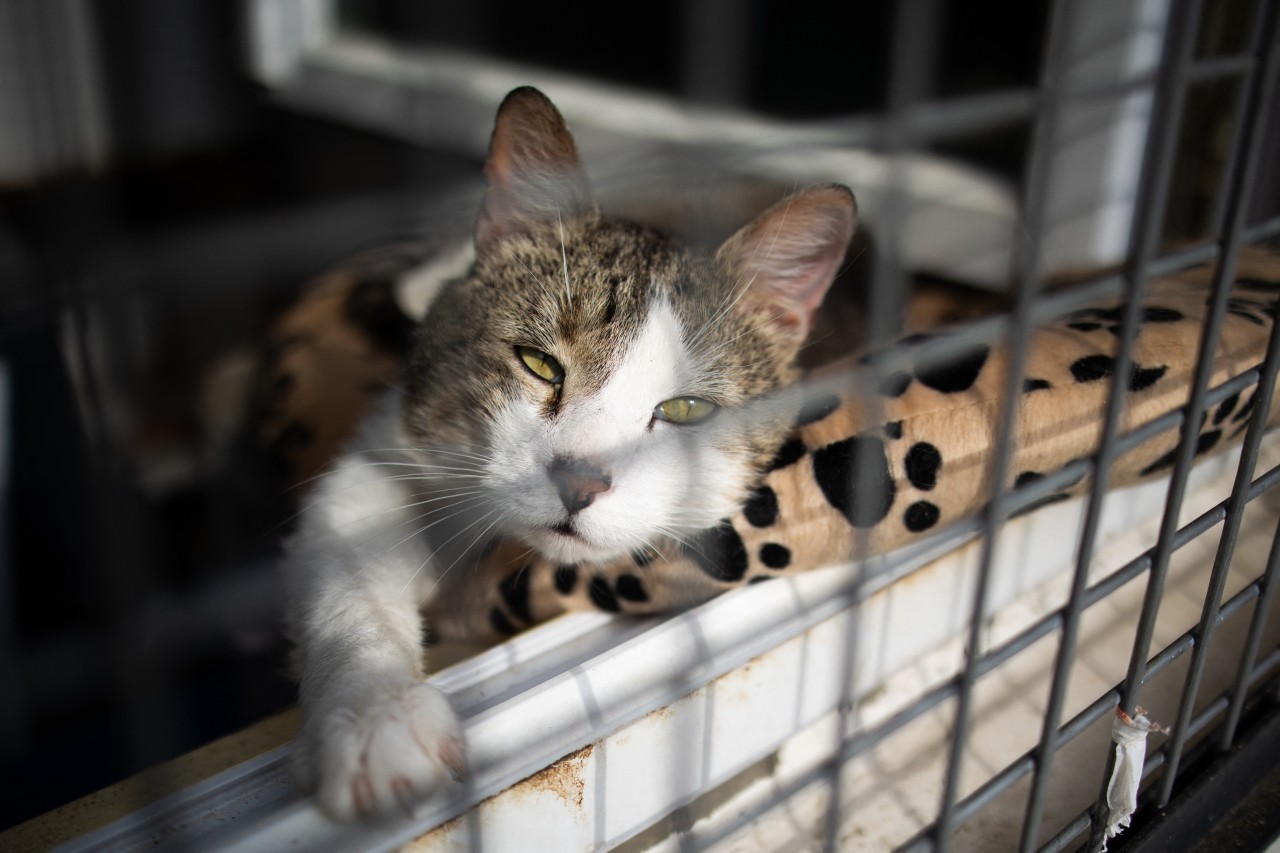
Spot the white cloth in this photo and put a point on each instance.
(1130, 737)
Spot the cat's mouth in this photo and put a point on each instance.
(565, 543)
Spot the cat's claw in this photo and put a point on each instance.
(389, 756)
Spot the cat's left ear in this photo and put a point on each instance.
(535, 174)
(788, 256)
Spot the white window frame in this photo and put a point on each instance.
(954, 219)
(948, 218)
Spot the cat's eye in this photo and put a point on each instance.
(684, 410)
(541, 364)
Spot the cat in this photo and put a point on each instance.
(583, 390)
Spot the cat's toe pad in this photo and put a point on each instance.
(389, 756)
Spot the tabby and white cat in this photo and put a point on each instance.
(583, 390)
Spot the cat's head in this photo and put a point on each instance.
(590, 382)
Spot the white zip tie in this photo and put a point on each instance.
(1130, 737)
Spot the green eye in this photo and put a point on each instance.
(684, 410)
(541, 365)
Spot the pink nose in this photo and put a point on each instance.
(578, 482)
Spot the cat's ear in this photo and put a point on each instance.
(787, 257)
(535, 175)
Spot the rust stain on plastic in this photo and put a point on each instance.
(563, 778)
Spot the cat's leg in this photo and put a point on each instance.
(375, 736)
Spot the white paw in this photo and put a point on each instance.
(389, 755)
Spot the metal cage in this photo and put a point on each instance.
(552, 711)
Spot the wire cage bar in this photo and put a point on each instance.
(913, 119)
(1146, 259)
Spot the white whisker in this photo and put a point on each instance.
(564, 257)
(465, 506)
(532, 274)
(452, 496)
(441, 576)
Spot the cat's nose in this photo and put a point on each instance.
(578, 482)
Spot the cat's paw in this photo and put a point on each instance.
(388, 756)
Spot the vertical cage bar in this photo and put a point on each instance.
(1029, 260)
(1113, 55)
(1253, 641)
(1247, 149)
(715, 55)
(1050, 742)
(915, 36)
(910, 76)
(1165, 131)
(1157, 165)
(1246, 674)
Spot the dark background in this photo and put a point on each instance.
(138, 605)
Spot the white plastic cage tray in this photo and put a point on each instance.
(592, 730)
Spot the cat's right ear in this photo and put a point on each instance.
(535, 175)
